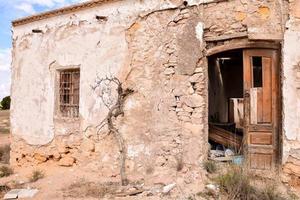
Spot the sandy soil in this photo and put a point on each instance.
(58, 183)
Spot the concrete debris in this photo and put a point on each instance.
(168, 188)
(213, 189)
(216, 153)
(21, 193)
(228, 153)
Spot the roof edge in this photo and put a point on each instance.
(59, 11)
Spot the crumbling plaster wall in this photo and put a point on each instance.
(140, 43)
(157, 48)
(291, 93)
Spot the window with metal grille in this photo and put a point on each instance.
(69, 93)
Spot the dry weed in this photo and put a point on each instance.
(36, 175)
(236, 185)
(4, 154)
(210, 166)
(5, 171)
(83, 189)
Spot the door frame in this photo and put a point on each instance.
(246, 44)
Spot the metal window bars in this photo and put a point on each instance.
(69, 93)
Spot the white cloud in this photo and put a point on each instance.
(5, 59)
(5, 62)
(26, 7)
(46, 3)
(29, 6)
(49, 3)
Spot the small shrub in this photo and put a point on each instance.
(4, 154)
(4, 130)
(36, 175)
(236, 185)
(5, 171)
(5, 103)
(270, 193)
(210, 166)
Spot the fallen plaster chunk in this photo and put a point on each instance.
(168, 188)
(20, 193)
(214, 189)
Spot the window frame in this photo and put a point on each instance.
(58, 100)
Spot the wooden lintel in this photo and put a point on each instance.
(243, 45)
(226, 37)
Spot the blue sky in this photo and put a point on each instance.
(10, 10)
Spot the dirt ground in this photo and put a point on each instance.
(63, 183)
(86, 182)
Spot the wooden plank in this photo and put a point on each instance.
(247, 70)
(247, 85)
(260, 127)
(226, 37)
(259, 105)
(236, 111)
(222, 159)
(224, 137)
(261, 138)
(267, 90)
(262, 149)
(253, 105)
(261, 161)
(276, 106)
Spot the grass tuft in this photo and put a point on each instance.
(4, 154)
(236, 185)
(5, 171)
(36, 175)
(210, 166)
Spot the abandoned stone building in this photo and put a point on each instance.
(200, 74)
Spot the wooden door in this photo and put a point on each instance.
(261, 99)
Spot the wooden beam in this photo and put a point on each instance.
(226, 37)
(224, 137)
(242, 45)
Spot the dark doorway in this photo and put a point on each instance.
(226, 100)
(244, 106)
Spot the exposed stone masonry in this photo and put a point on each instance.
(156, 48)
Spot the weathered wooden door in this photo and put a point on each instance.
(261, 99)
